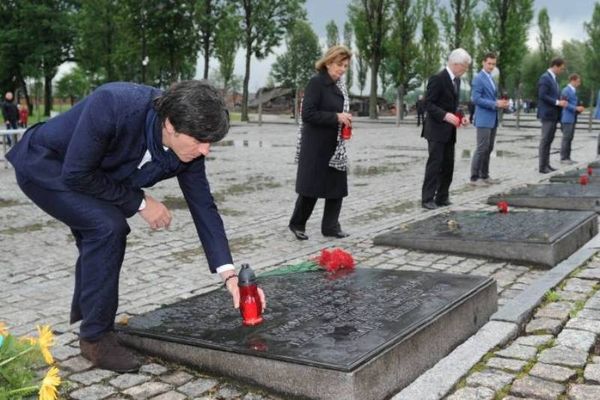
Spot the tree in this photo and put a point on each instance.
(36, 37)
(294, 68)
(593, 48)
(362, 69)
(458, 24)
(264, 23)
(98, 35)
(430, 50)
(403, 51)
(348, 34)
(209, 13)
(370, 19)
(502, 28)
(73, 85)
(226, 45)
(175, 40)
(545, 36)
(333, 35)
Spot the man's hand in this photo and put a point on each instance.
(156, 214)
(580, 109)
(563, 103)
(465, 121)
(234, 290)
(452, 119)
(502, 104)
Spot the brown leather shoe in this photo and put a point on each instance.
(108, 353)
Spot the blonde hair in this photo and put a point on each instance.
(334, 54)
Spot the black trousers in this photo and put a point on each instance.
(548, 131)
(304, 208)
(100, 230)
(438, 171)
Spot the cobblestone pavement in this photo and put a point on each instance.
(252, 177)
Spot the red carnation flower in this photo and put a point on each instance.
(335, 259)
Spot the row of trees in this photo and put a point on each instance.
(403, 42)
(400, 43)
(149, 41)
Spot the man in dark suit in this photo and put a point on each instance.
(439, 128)
(87, 167)
(10, 113)
(549, 109)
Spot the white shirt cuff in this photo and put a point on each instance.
(557, 102)
(142, 205)
(226, 267)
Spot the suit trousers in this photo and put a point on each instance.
(304, 208)
(438, 171)
(480, 164)
(100, 230)
(548, 131)
(568, 131)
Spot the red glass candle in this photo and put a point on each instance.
(250, 304)
(584, 179)
(346, 132)
(459, 114)
(502, 207)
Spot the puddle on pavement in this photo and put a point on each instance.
(243, 143)
(466, 153)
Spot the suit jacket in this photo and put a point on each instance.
(483, 95)
(569, 113)
(315, 178)
(548, 93)
(439, 100)
(95, 148)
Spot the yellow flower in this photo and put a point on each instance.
(3, 330)
(48, 390)
(46, 341)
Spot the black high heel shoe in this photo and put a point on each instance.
(300, 235)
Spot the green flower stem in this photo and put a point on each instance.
(3, 363)
(25, 390)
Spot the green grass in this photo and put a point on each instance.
(551, 296)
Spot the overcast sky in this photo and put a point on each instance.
(566, 19)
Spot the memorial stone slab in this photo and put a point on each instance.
(541, 236)
(555, 196)
(363, 334)
(573, 176)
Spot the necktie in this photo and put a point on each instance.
(457, 86)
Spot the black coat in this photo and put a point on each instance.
(10, 112)
(439, 100)
(315, 178)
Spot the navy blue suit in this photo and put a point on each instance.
(549, 113)
(81, 167)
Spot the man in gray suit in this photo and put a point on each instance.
(549, 109)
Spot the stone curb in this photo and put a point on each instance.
(439, 380)
(504, 325)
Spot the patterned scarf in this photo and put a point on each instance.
(339, 160)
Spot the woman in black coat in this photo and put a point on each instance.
(321, 153)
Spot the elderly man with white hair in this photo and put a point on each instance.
(443, 117)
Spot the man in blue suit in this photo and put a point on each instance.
(549, 108)
(568, 118)
(87, 168)
(483, 95)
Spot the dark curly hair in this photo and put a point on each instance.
(194, 108)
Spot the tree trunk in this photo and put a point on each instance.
(246, 82)
(47, 94)
(297, 105)
(373, 97)
(206, 57)
(26, 94)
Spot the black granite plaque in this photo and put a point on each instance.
(556, 196)
(539, 237)
(345, 328)
(573, 176)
